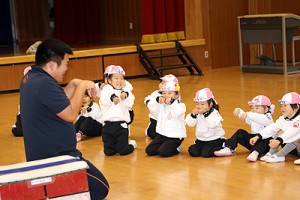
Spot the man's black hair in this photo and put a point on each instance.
(51, 50)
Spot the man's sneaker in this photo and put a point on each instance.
(253, 156)
(297, 162)
(275, 159)
(133, 143)
(78, 136)
(265, 157)
(223, 152)
(179, 148)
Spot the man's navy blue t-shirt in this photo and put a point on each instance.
(45, 134)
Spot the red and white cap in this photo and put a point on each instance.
(169, 77)
(114, 69)
(203, 95)
(260, 100)
(26, 70)
(170, 86)
(290, 98)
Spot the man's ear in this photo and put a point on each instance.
(51, 64)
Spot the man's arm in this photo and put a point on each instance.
(75, 90)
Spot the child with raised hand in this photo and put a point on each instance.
(258, 118)
(170, 128)
(126, 86)
(207, 119)
(88, 122)
(151, 129)
(288, 125)
(115, 103)
(99, 85)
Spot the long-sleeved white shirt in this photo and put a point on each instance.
(258, 121)
(170, 118)
(207, 128)
(94, 112)
(280, 124)
(112, 112)
(292, 133)
(153, 96)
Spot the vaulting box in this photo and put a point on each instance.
(62, 177)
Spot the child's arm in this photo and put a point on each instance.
(240, 114)
(213, 119)
(290, 135)
(177, 109)
(262, 119)
(127, 98)
(154, 106)
(191, 119)
(94, 111)
(269, 131)
(108, 97)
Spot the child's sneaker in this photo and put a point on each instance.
(78, 136)
(253, 156)
(133, 143)
(297, 162)
(223, 152)
(265, 157)
(275, 159)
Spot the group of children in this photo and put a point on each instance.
(112, 117)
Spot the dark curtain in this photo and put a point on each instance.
(6, 38)
(76, 20)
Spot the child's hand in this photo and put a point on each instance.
(195, 111)
(123, 96)
(168, 101)
(274, 143)
(84, 107)
(240, 114)
(116, 100)
(161, 100)
(201, 111)
(254, 140)
(280, 132)
(236, 112)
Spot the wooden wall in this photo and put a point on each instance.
(115, 17)
(271, 7)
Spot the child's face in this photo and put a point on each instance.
(117, 81)
(259, 109)
(86, 100)
(287, 110)
(169, 94)
(203, 106)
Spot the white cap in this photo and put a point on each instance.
(203, 95)
(169, 77)
(170, 86)
(260, 100)
(114, 69)
(290, 98)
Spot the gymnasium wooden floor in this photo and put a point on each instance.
(137, 176)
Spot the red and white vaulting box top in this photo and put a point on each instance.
(41, 179)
